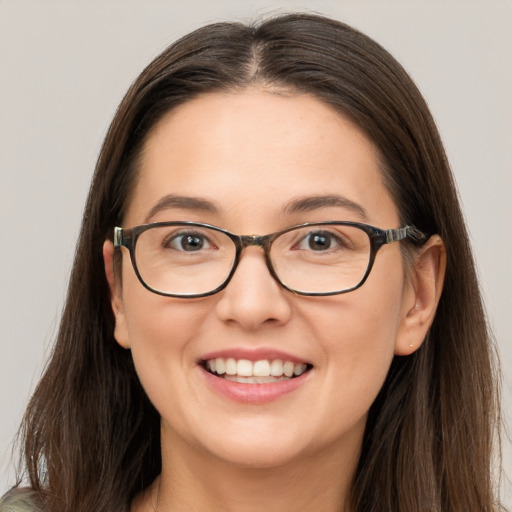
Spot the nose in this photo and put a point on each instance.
(253, 298)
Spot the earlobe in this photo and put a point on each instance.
(120, 330)
(421, 296)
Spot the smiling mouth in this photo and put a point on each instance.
(264, 371)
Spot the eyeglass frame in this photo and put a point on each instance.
(127, 237)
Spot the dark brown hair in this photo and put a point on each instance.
(92, 436)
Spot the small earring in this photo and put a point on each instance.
(411, 345)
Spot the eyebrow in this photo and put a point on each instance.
(184, 202)
(311, 203)
(300, 205)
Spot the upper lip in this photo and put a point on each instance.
(254, 354)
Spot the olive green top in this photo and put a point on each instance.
(19, 500)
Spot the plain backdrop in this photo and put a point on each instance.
(65, 65)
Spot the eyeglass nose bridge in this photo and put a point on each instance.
(263, 241)
(251, 240)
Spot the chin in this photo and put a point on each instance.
(250, 446)
(258, 457)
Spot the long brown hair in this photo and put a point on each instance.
(91, 434)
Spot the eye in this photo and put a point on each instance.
(188, 242)
(320, 241)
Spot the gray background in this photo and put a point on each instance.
(64, 66)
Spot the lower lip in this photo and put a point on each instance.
(253, 393)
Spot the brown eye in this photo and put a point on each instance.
(188, 242)
(319, 241)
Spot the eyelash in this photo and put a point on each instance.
(332, 237)
(176, 237)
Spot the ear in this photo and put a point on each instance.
(421, 296)
(116, 299)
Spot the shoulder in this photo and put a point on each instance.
(19, 500)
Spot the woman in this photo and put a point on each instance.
(273, 304)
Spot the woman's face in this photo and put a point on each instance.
(252, 157)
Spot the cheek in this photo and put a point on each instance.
(161, 332)
(155, 340)
(357, 337)
(361, 322)
(157, 326)
(357, 333)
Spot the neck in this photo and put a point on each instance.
(191, 480)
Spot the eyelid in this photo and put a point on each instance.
(338, 235)
(178, 233)
(331, 234)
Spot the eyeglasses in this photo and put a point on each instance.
(190, 259)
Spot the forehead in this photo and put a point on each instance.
(252, 152)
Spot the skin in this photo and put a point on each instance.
(251, 153)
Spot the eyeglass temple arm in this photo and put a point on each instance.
(395, 235)
(122, 237)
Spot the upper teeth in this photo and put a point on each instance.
(262, 368)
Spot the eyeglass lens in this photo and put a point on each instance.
(192, 260)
